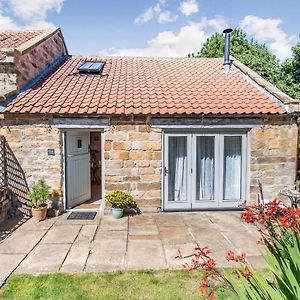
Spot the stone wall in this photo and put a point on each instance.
(27, 159)
(133, 157)
(273, 157)
(133, 162)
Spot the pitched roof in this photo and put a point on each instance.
(14, 39)
(145, 86)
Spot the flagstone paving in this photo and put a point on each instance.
(147, 241)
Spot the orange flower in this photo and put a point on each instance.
(203, 289)
(230, 255)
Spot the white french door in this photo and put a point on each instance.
(204, 170)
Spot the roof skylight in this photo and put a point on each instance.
(91, 67)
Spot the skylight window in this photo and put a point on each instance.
(91, 67)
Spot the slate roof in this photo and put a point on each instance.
(145, 86)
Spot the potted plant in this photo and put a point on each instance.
(38, 195)
(119, 200)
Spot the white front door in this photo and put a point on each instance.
(78, 167)
(204, 170)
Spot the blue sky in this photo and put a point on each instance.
(155, 27)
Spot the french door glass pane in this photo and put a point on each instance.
(232, 167)
(205, 167)
(177, 168)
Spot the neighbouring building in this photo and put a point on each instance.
(178, 134)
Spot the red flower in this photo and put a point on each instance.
(241, 257)
(203, 289)
(230, 255)
(247, 274)
(212, 295)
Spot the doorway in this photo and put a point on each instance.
(83, 170)
(204, 170)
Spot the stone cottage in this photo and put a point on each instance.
(178, 134)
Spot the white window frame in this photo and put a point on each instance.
(218, 202)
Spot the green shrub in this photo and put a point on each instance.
(39, 193)
(119, 199)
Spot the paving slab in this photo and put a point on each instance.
(86, 235)
(174, 236)
(61, 234)
(9, 263)
(172, 250)
(169, 220)
(145, 254)
(142, 220)
(32, 224)
(137, 229)
(45, 258)
(257, 261)
(101, 260)
(108, 222)
(21, 242)
(227, 221)
(244, 242)
(199, 219)
(76, 259)
(110, 241)
(200, 234)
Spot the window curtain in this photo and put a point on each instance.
(232, 167)
(177, 169)
(205, 168)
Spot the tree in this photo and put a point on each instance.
(291, 73)
(257, 57)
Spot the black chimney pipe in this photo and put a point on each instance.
(227, 61)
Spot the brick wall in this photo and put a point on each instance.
(273, 157)
(133, 162)
(29, 63)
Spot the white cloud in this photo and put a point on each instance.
(268, 31)
(187, 39)
(166, 17)
(189, 7)
(27, 14)
(157, 12)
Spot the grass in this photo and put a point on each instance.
(118, 285)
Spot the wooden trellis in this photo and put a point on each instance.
(3, 175)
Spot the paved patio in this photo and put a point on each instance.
(147, 241)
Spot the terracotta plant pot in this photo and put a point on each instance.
(39, 213)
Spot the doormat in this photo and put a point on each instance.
(82, 215)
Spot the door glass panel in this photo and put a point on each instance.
(232, 167)
(177, 168)
(205, 167)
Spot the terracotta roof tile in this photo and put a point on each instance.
(14, 39)
(145, 86)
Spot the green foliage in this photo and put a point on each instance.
(282, 256)
(39, 193)
(257, 57)
(291, 72)
(280, 233)
(119, 199)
